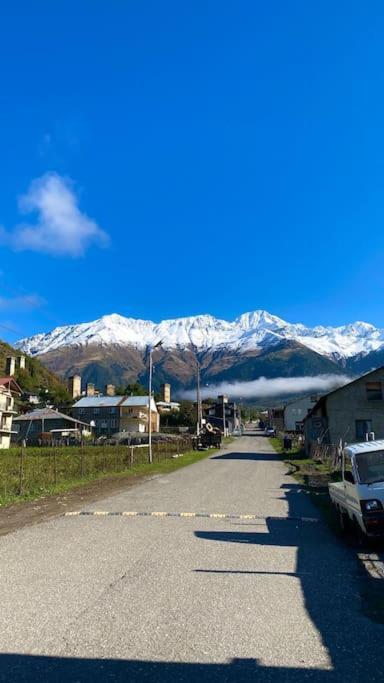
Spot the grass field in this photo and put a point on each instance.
(37, 472)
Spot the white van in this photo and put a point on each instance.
(359, 497)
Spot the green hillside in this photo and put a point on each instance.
(35, 378)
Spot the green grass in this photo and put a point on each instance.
(48, 472)
(315, 477)
(306, 470)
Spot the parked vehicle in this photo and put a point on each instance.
(270, 431)
(359, 496)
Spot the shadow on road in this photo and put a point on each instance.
(17, 668)
(335, 585)
(233, 455)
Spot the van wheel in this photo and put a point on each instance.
(359, 534)
(344, 521)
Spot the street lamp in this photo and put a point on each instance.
(151, 350)
(198, 398)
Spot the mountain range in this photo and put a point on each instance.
(114, 349)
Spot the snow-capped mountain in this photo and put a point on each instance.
(252, 331)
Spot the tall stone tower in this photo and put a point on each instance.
(10, 366)
(20, 362)
(74, 386)
(165, 391)
(110, 390)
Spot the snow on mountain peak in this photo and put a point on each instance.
(253, 330)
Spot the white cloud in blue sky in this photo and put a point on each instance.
(61, 229)
(21, 303)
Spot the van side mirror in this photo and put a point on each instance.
(348, 476)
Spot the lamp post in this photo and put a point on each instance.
(151, 350)
(198, 398)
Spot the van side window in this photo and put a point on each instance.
(348, 476)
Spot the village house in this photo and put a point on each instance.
(47, 424)
(223, 409)
(296, 411)
(112, 414)
(348, 413)
(8, 390)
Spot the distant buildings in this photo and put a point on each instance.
(290, 418)
(46, 424)
(165, 405)
(223, 411)
(8, 390)
(12, 363)
(112, 414)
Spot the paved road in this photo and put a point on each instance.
(185, 598)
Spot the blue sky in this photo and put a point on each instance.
(175, 158)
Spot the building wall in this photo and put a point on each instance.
(296, 412)
(106, 418)
(31, 429)
(6, 417)
(350, 404)
(135, 418)
(111, 419)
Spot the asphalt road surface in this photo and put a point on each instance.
(265, 592)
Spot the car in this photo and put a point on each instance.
(270, 431)
(359, 496)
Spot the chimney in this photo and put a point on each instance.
(90, 389)
(20, 362)
(165, 391)
(74, 386)
(10, 366)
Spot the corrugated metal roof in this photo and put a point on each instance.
(135, 401)
(138, 401)
(98, 401)
(45, 414)
(113, 401)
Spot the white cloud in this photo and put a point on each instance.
(61, 229)
(267, 388)
(21, 303)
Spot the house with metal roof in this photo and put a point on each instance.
(349, 413)
(112, 414)
(47, 424)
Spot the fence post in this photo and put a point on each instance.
(54, 467)
(21, 472)
(81, 461)
(131, 456)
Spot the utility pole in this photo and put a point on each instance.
(149, 409)
(151, 350)
(198, 398)
(223, 416)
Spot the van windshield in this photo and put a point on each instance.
(370, 467)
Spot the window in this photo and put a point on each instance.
(363, 427)
(96, 411)
(113, 423)
(374, 391)
(113, 411)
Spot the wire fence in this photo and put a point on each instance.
(30, 471)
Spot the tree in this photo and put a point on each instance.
(132, 389)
